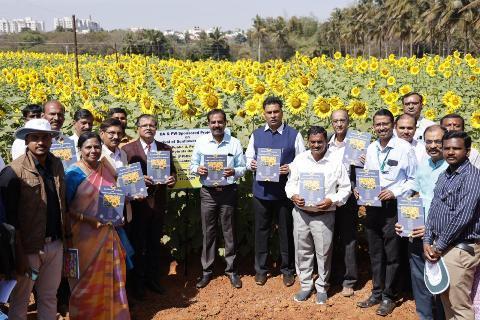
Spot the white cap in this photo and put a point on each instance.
(35, 125)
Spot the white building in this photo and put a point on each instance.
(17, 25)
(83, 25)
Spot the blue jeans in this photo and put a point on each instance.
(427, 305)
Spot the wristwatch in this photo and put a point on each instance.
(435, 249)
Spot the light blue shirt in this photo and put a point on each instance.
(396, 163)
(425, 179)
(230, 146)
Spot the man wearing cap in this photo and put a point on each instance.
(31, 111)
(33, 190)
(54, 113)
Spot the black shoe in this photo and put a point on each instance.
(62, 309)
(155, 287)
(288, 280)
(260, 279)
(235, 280)
(370, 302)
(386, 307)
(203, 282)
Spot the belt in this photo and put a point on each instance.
(465, 246)
(51, 239)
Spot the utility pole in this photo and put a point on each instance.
(75, 45)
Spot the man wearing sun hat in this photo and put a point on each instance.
(33, 190)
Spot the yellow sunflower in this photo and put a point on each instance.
(358, 109)
(322, 107)
(475, 120)
(297, 102)
(430, 113)
(355, 92)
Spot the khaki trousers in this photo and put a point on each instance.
(49, 266)
(461, 267)
(312, 236)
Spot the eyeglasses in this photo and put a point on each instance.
(113, 133)
(145, 126)
(339, 121)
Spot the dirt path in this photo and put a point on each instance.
(272, 301)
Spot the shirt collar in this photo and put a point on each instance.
(390, 145)
(279, 130)
(226, 138)
(459, 170)
(435, 165)
(333, 141)
(114, 154)
(144, 144)
(325, 156)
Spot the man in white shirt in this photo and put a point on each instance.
(111, 133)
(405, 127)
(345, 234)
(313, 225)
(82, 122)
(413, 105)
(395, 160)
(454, 122)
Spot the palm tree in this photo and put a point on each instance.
(259, 32)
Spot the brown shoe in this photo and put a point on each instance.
(347, 292)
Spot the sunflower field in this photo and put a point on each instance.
(181, 92)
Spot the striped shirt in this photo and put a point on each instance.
(454, 215)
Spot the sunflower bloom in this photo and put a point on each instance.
(322, 107)
(297, 102)
(358, 109)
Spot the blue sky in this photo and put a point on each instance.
(173, 14)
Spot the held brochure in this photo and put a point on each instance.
(312, 188)
(268, 164)
(64, 150)
(368, 187)
(411, 214)
(356, 144)
(71, 264)
(130, 179)
(110, 205)
(215, 164)
(158, 166)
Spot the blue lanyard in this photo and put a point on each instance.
(382, 165)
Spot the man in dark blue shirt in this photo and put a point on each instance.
(453, 224)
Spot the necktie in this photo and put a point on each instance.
(149, 147)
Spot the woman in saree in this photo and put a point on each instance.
(100, 292)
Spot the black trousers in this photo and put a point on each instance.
(144, 232)
(218, 203)
(265, 210)
(345, 242)
(383, 245)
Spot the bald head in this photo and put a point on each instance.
(54, 112)
(340, 122)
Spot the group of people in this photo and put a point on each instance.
(53, 209)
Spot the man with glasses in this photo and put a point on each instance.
(111, 132)
(395, 160)
(346, 215)
(426, 177)
(121, 114)
(146, 227)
